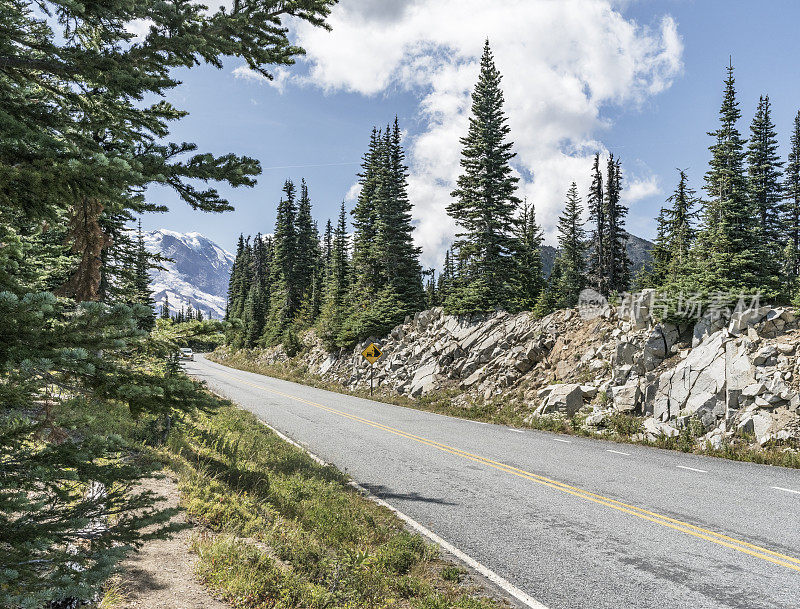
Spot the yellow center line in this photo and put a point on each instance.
(678, 525)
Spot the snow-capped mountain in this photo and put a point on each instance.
(198, 276)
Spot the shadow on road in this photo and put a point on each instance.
(386, 494)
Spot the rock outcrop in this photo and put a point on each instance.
(722, 376)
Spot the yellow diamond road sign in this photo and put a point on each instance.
(372, 354)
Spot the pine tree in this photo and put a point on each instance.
(679, 232)
(790, 211)
(141, 284)
(336, 285)
(764, 188)
(484, 202)
(318, 282)
(285, 296)
(307, 249)
(597, 215)
(571, 258)
(549, 298)
(729, 239)
(617, 265)
(399, 257)
(530, 282)
(80, 145)
(234, 283)
(431, 291)
(327, 246)
(253, 316)
(366, 263)
(446, 277)
(165, 312)
(657, 274)
(386, 274)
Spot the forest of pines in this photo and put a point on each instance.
(744, 238)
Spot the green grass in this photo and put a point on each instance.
(285, 531)
(280, 530)
(509, 410)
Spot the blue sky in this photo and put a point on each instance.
(640, 79)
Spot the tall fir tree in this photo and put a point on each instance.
(616, 262)
(657, 274)
(336, 285)
(285, 294)
(485, 202)
(729, 240)
(790, 211)
(530, 278)
(141, 284)
(598, 242)
(679, 230)
(165, 312)
(447, 276)
(572, 249)
(241, 279)
(307, 249)
(764, 168)
(365, 263)
(253, 316)
(401, 270)
(387, 279)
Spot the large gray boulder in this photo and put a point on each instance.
(566, 398)
(424, 380)
(636, 308)
(702, 373)
(627, 397)
(705, 327)
(659, 345)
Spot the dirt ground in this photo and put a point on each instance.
(160, 575)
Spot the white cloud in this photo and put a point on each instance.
(638, 189)
(140, 28)
(353, 192)
(562, 63)
(279, 77)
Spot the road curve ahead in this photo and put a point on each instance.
(573, 522)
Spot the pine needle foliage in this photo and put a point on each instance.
(485, 203)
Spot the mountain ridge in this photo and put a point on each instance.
(197, 273)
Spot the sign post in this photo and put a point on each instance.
(372, 354)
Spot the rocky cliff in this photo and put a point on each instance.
(730, 375)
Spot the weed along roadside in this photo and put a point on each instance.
(280, 525)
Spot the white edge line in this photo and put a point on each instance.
(693, 469)
(504, 584)
(788, 490)
(563, 441)
(617, 452)
(516, 430)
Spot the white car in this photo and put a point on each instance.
(186, 353)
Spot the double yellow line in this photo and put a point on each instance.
(678, 525)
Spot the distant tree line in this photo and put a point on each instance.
(184, 314)
(743, 238)
(353, 286)
(347, 286)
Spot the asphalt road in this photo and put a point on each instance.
(573, 522)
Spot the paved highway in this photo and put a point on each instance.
(572, 522)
